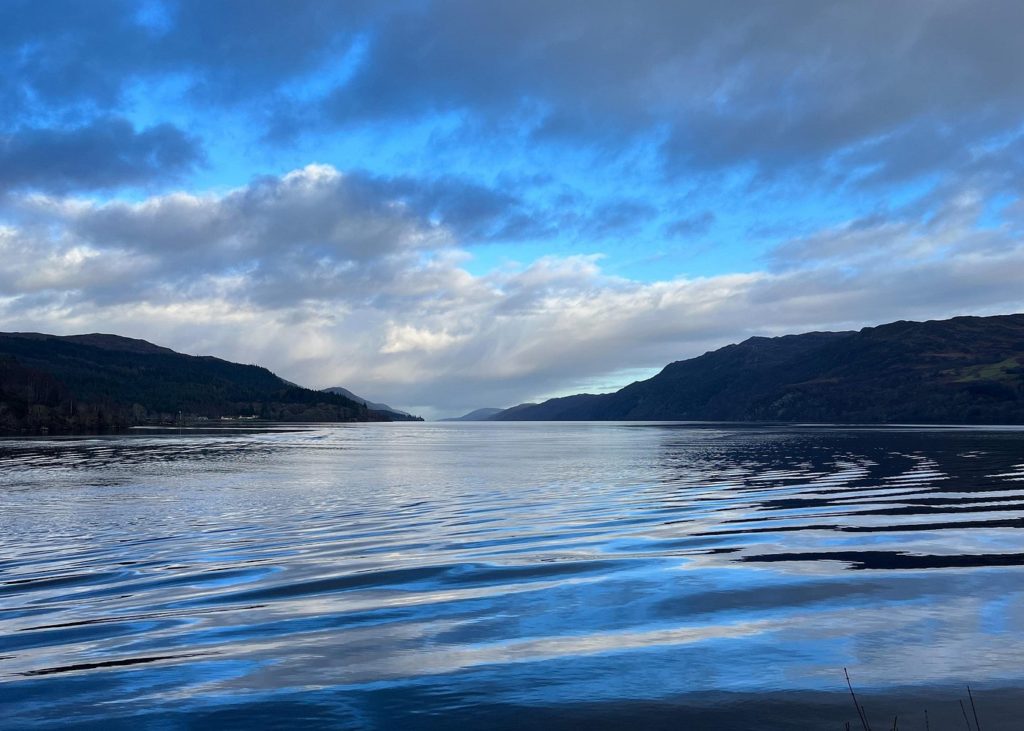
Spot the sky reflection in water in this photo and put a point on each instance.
(356, 575)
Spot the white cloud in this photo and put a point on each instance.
(408, 338)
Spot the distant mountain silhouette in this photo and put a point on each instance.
(477, 415)
(963, 370)
(512, 412)
(398, 414)
(97, 382)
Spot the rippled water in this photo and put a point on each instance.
(509, 575)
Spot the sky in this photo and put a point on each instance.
(453, 205)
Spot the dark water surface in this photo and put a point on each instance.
(512, 576)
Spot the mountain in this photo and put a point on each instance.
(96, 382)
(477, 415)
(963, 370)
(403, 415)
(512, 412)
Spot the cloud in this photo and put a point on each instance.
(329, 279)
(106, 153)
(315, 231)
(308, 235)
(899, 91)
(869, 92)
(68, 56)
(695, 225)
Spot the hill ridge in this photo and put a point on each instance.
(97, 382)
(967, 369)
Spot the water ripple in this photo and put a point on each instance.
(536, 564)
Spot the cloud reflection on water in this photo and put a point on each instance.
(528, 563)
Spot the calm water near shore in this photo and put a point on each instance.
(511, 576)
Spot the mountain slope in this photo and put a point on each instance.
(368, 404)
(87, 382)
(963, 370)
(485, 414)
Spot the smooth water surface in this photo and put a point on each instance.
(507, 575)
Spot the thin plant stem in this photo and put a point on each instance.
(964, 711)
(860, 710)
(977, 724)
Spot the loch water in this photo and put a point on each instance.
(517, 575)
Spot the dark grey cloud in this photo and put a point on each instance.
(312, 235)
(473, 211)
(777, 86)
(241, 48)
(873, 90)
(70, 69)
(105, 153)
(65, 54)
(309, 234)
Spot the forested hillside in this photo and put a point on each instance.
(963, 370)
(99, 382)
